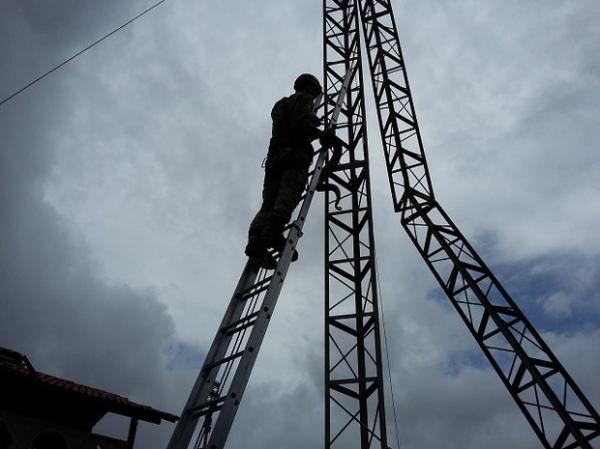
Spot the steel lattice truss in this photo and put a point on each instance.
(555, 407)
(552, 403)
(354, 406)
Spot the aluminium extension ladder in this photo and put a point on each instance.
(222, 380)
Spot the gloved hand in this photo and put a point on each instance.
(328, 138)
(332, 142)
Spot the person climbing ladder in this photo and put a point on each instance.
(290, 154)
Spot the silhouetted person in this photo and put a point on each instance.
(290, 155)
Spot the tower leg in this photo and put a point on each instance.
(354, 390)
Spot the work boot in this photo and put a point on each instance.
(257, 252)
(268, 261)
(255, 249)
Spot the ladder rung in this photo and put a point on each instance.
(207, 411)
(254, 292)
(241, 324)
(207, 407)
(224, 360)
(241, 328)
(254, 289)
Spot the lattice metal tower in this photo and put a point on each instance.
(552, 403)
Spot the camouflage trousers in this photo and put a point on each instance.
(282, 190)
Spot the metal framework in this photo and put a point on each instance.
(354, 390)
(557, 410)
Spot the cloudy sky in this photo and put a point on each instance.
(128, 179)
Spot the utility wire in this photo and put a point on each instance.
(39, 78)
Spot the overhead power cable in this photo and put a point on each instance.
(41, 77)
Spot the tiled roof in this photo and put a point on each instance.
(18, 366)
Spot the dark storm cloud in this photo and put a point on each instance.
(55, 309)
(38, 34)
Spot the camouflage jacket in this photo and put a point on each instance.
(295, 126)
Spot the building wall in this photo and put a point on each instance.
(24, 430)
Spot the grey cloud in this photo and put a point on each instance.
(57, 312)
(508, 120)
(557, 305)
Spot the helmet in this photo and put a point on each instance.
(308, 82)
